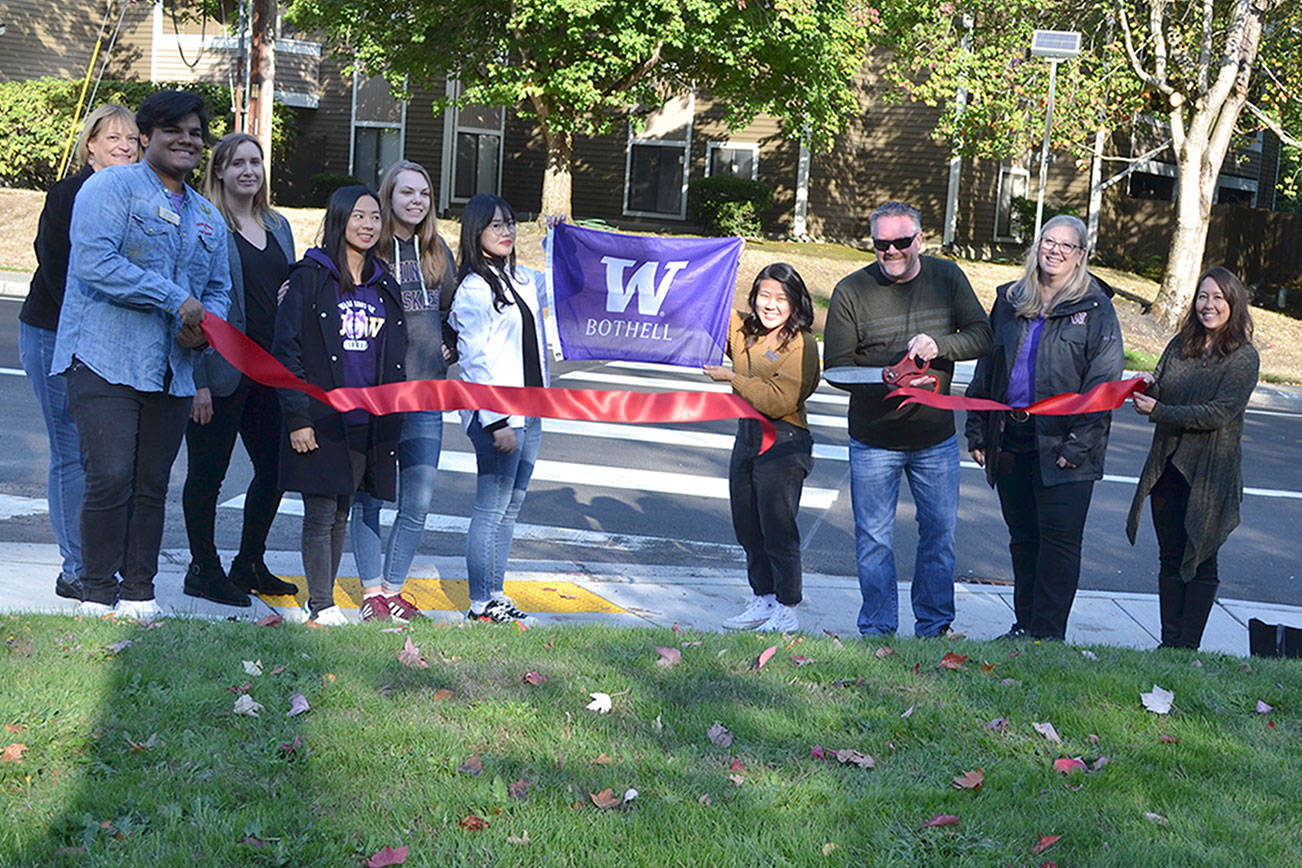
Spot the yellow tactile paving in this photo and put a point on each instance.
(453, 595)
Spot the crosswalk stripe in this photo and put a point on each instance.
(682, 385)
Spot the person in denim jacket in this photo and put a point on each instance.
(148, 259)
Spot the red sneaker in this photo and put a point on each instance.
(401, 608)
(375, 608)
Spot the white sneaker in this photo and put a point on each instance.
(783, 620)
(93, 610)
(291, 614)
(756, 613)
(332, 616)
(140, 610)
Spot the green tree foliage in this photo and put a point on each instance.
(589, 66)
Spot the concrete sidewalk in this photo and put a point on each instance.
(651, 595)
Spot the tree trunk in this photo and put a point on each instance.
(1185, 260)
(558, 179)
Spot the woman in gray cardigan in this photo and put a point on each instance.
(1196, 396)
(226, 402)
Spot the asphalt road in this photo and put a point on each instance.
(672, 513)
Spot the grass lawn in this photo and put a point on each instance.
(134, 755)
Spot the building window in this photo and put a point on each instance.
(1233, 190)
(379, 123)
(473, 148)
(655, 181)
(1014, 183)
(727, 159)
(1147, 185)
(374, 150)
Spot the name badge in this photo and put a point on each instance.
(169, 215)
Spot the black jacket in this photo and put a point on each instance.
(1080, 347)
(53, 247)
(308, 343)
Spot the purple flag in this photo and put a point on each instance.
(642, 299)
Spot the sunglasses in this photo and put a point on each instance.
(884, 244)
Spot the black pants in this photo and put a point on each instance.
(1045, 527)
(253, 412)
(1170, 503)
(129, 440)
(325, 528)
(765, 494)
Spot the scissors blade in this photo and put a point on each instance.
(854, 375)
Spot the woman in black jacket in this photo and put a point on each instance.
(340, 324)
(1055, 331)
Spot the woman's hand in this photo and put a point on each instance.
(718, 373)
(303, 440)
(979, 456)
(201, 409)
(1064, 464)
(1143, 404)
(504, 439)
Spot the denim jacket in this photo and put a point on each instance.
(133, 264)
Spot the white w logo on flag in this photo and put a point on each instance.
(649, 295)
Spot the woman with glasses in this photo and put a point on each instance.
(1055, 331)
(498, 317)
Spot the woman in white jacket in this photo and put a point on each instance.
(498, 316)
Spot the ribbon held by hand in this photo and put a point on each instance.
(616, 405)
(1101, 398)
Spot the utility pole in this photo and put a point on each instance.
(262, 77)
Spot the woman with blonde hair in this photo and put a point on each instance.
(422, 264)
(108, 138)
(1055, 331)
(260, 247)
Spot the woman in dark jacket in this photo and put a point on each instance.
(339, 324)
(109, 138)
(1196, 396)
(1055, 331)
(260, 248)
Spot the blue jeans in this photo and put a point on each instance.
(419, 446)
(67, 480)
(503, 478)
(875, 494)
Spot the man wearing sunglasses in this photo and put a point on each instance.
(903, 304)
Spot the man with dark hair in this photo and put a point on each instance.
(148, 258)
(903, 304)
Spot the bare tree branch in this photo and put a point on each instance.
(1274, 126)
(1205, 55)
(1157, 31)
(1135, 63)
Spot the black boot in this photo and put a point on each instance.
(209, 582)
(1199, 597)
(251, 574)
(1171, 604)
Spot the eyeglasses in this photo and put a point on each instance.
(884, 244)
(1051, 246)
(502, 227)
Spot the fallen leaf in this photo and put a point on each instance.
(816, 752)
(799, 660)
(600, 760)
(917, 667)
(970, 780)
(297, 705)
(720, 735)
(1067, 765)
(442, 694)
(519, 789)
(118, 647)
(1168, 739)
(1045, 842)
(854, 757)
(1047, 730)
(704, 800)
(253, 667)
(952, 661)
(736, 780)
(604, 799)
(328, 678)
(764, 657)
(668, 656)
(908, 712)
(676, 628)
(277, 670)
(629, 795)
(137, 746)
(1155, 818)
(410, 656)
(15, 727)
(13, 753)
(883, 652)
(522, 840)
(1099, 763)
(245, 704)
(988, 668)
(1158, 701)
(1092, 738)
(940, 820)
(292, 747)
(600, 703)
(828, 848)
(999, 724)
(275, 619)
(658, 725)
(252, 841)
(237, 689)
(534, 678)
(472, 766)
(1263, 708)
(387, 856)
(393, 629)
(1088, 654)
(521, 626)
(473, 823)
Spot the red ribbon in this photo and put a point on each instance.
(1103, 397)
(616, 405)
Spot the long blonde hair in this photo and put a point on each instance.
(95, 121)
(222, 154)
(1026, 294)
(433, 250)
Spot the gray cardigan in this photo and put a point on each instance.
(211, 371)
(1199, 419)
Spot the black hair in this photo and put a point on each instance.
(1196, 340)
(168, 107)
(801, 318)
(335, 224)
(471, 259)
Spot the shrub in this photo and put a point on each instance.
(729, 206)
(322, 184)
(37, 118)
(1024, 215)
